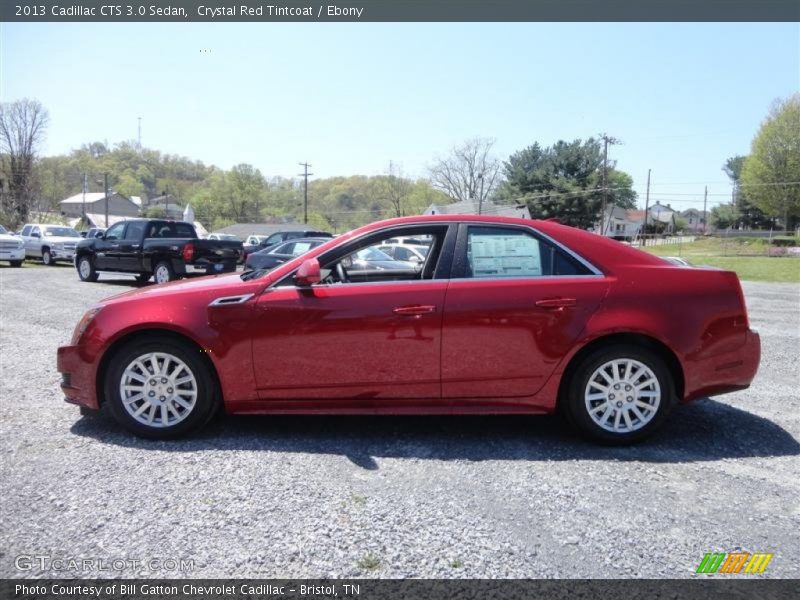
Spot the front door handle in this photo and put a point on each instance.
(556, 303)
(414, 310)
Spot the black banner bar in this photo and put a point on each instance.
(396, 589)
(396, 10)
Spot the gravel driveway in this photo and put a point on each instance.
(386, 496)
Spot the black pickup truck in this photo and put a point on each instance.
(165, 250)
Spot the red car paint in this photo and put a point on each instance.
(432, 346)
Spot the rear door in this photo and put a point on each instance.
(130, 247)
(515, 305)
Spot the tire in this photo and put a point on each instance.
(47, 258)
(143, 277)
(166, 394)
(16, 263)
(599, 388)
(85, 267)
(163, 272)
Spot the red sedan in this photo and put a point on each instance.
(505, 316)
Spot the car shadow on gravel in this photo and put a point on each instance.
(702, 431)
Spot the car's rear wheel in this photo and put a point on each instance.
(160, 388)
(163, 272)
(47, 258)
(86, 270)
(620, 394)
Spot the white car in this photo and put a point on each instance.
(414, 253)
(50, 242)
(226, 237)
(12, 248)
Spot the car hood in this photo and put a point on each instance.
(6, 237)
(229, 284)
(57, 239)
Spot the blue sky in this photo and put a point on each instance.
(351, 97)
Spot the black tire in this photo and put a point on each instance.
(16, 263)
(161, 268)
(574, 405)
(85, 267)
(207, 399)
(47, 257)
(143, 277)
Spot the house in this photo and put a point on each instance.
(95, 203)
(627, 224)
(170, 205)
(487, 208)
(694, 220)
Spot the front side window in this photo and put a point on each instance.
(134, 231)
(115, 232)
(26, 230)
(509, 252)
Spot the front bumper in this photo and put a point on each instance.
(727, 372)
(12, 254)
(58, 254)
(77, 377)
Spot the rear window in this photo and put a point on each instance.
(170, 230)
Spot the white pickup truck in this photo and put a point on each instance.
(12, 248)
(50, 242)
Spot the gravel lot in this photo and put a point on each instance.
(389, 497)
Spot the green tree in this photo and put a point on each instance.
(565, 181)
(771, 173)
(723, 216)
(748, 215)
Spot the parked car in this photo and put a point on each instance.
(406, 252)
(256, 243)
(12, 248)
(677, 260)
(505, 316)
(228, 237)
(278, 254)
(93, 232)
(165, 250)
(51, 243)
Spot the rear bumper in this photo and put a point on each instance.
(726, 372)
(77, 377)
(210, 268)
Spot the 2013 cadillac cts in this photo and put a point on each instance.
(503, 316)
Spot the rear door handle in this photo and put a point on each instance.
(556, 303)
(414, 310)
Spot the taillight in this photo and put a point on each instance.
(188, 252)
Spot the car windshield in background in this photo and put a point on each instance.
(3, 230)
(61, 232)
(373, 254)
(227, 237)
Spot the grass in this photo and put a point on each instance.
(369, 562)
(747, 258)
(456, 563)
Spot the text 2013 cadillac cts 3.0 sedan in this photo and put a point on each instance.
(505, 316)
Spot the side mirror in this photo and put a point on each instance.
(83, 234)
(308, 273)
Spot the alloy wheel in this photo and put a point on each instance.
(158, 389)
(162, 274)
(622, 395)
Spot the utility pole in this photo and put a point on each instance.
(139, 142)
(105, 185)
(305, 175)
(480, 196)
(83, 206)
(607, 140)
(705, 216)
(646, 208)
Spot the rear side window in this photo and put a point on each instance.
(509, 252)
(134, 231)
(170, 230)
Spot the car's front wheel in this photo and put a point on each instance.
(620, 394)
(160, 388)
(86, 270)
(47, 257)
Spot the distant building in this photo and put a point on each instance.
(487, 208)
(694, 220)
(95, 203)
(621, 223)
(172, 208)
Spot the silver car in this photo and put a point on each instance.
(51, 243)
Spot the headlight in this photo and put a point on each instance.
(84, 323)
(20, 245)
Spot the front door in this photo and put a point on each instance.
(107, 248)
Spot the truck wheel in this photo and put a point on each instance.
(16, 263)
(164, 272)
(143, 277)
(47, 258)
(86, 270)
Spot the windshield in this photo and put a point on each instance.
(61, 232)
(3, 230)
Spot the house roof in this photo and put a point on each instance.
(245, 229)
(79, 198)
